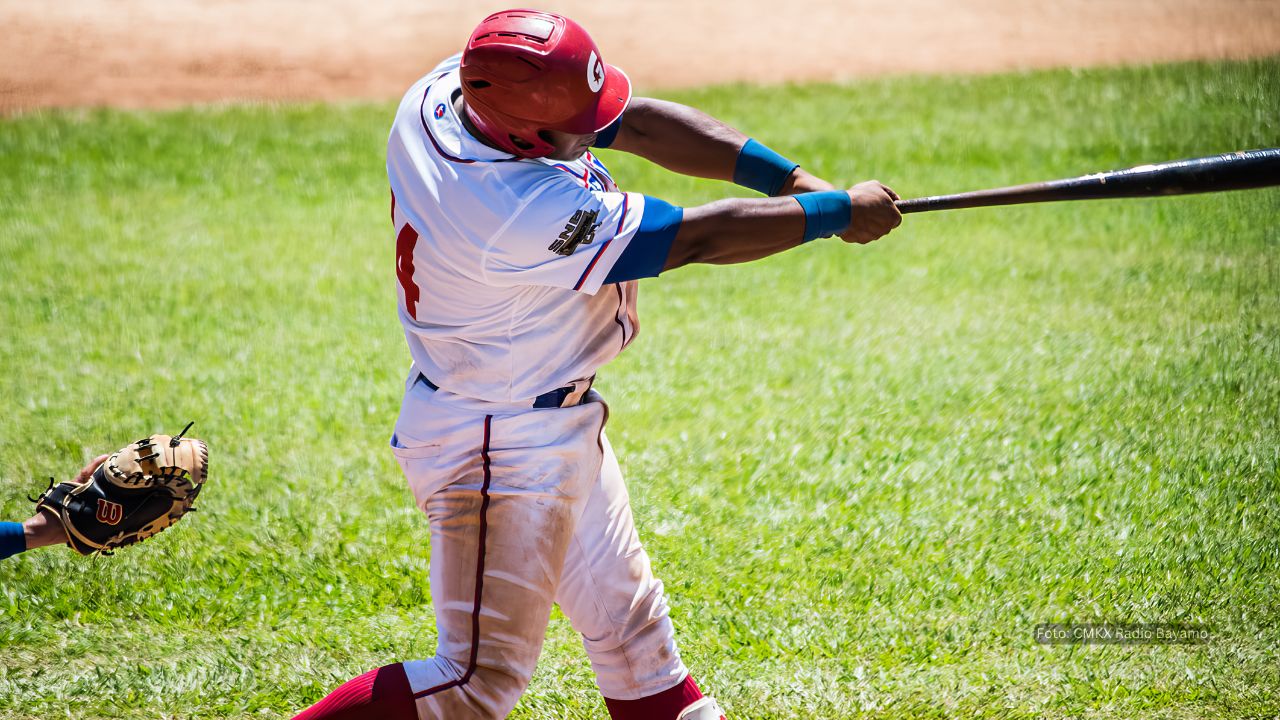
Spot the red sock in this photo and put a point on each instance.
(666, 705)
(381, 694)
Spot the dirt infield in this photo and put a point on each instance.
(160, 53)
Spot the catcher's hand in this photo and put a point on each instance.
(138, 491)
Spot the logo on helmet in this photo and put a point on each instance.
(595, 72)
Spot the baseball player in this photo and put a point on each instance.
(517, 257)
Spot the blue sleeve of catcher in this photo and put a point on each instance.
(826, 213)
(647, 252)
(761, 169)
(13, 539)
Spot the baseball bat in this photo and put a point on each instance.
(1232, 171)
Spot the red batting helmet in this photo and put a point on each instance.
(525, 71)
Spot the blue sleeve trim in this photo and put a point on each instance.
(647, 252)
(606, 136)
(826, 213)
(762, 169)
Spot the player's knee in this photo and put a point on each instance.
(481, 694)
(495, 691)
(639, 657)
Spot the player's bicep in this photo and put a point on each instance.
(581, 240)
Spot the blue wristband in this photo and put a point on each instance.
(826, 213)
(762, 169)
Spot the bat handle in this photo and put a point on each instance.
(913, 205)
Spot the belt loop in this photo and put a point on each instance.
(580, 388)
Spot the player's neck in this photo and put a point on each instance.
(460, 107)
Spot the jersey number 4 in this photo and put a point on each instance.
(405, 242)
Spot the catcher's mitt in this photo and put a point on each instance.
(138, 491)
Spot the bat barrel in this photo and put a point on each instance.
(1232, 171)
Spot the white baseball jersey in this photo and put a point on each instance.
(501, 261)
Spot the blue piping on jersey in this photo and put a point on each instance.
(595, 161)
(593, 170)
(585, 177)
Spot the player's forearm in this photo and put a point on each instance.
(690, 142)
(801, 181)
(679, 138)
(737, 231)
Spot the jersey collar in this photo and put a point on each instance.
(444, 128)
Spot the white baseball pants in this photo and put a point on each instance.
(526, 508)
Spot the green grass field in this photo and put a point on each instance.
(865, 473)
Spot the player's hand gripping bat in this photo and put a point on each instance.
(1233, 171)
